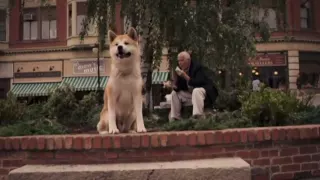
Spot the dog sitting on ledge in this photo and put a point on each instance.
(122, 110)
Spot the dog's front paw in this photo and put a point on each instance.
(103, 132)
(141, 129)
(113, 130)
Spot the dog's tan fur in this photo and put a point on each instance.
(122, 110)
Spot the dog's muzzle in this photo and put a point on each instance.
(122, 54)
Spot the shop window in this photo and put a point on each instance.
(305, 14)
(39, 23)
(3, 17)
(267, 13)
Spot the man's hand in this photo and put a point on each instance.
(185, 76)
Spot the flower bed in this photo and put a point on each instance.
(290, 152)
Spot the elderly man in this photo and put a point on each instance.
(191, 84)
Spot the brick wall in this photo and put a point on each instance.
(274, 153)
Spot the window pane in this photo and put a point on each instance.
(271, 17)
(26, 30)
(81, 8)
(53, 29)
(2, 31)
(70, 20)
(303, 13)
(34, 30)
(80, 19)
(304, 23)
(45, 30)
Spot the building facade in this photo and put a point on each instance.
(40, 48)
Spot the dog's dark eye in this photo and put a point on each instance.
(126, 43)
(116, 44)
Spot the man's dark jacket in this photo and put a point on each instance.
(198, 79)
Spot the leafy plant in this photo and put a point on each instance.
(11, 110)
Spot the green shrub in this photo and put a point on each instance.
(33, 127)
(61, 104)
(271, 107)
(11, 110)
(87, 111)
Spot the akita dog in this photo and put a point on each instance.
(122, 110)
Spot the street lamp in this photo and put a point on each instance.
(96, 50)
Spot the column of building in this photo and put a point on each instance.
(293, 67)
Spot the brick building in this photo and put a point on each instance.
(40, 48)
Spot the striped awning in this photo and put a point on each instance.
(85, 83)
(33, 89)
(159, 77)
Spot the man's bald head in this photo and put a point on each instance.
(184, 59)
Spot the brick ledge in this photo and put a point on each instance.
(159, 139)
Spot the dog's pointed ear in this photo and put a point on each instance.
(132, 33)
(111, 35)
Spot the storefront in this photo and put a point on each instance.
(36, 78)
(271, 68)
(309, 63)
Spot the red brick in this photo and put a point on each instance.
(316, 172)
(192, 139)
(264, 153)
(125, 141)
(218, 137)
(235, 137)
(309, 166)
(173, 139)
(289, 151)
(12, 163)
(68, 142)
(111, 155)
(106, 142)
(261, 162)
(314, 132)
(58, 142)
(273, 153)
(41, 155)
(87, 142)
(41, 143)
(145, 141)
(182, 139)
(209, 138)
(50, 143)
(274, 169)
(77, 143)
(243, 154)
(260, 177)
(227, 137)
(2, 142)
(308, 150)
(135, 141)
(302, 158)
(243, 136)
(282, 176)
(252, 136)
(260, 136)
(281, 160)
(267, 134)
(116, 141)
(315, 157)
(15, 142)
(4, 171)
(154, 140)
(164, 140)
(290, 168)
(97, 142)
(201, 139)
(209, 150)
(24, 143)
(275, 134)
(304, 133)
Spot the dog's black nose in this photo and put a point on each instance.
(120, 48)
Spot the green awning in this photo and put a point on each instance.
(33, 89)
(85, 83)
(159, 77)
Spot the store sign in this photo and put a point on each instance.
(268, 60)
(88, 67)
(37, 74)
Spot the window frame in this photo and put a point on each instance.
(38, 14)
(309, 17)
(5, 29)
